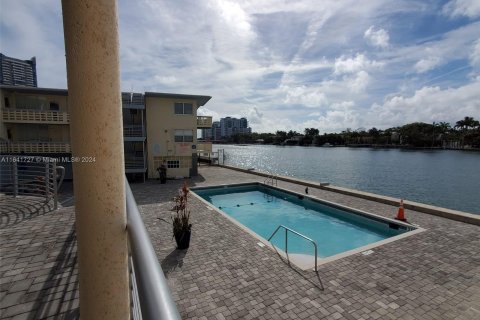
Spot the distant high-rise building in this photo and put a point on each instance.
(230, 126)
(216, 131)
(16, 72)
(213, 133)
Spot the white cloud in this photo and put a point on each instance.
(468, 8)
(428, 104)
(272, 121)
(343, 115)
(428, 54)
(343, 105)
(166, 80)
(352, 65)
(377, 38)
(359, 83)
(310, 97)
(253, 115)
(427, 64)
(203, 111)
(475, 55)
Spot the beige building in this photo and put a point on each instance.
(172, 124)
(157, 127)
(34, 120)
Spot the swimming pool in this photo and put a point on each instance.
(334, 228)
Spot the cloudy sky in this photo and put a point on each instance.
(284, 65)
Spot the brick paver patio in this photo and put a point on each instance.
(38, 270)
(226, 275)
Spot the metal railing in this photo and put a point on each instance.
(298, 234)
(134, 162)
(221, 156)
(270, 180)
(35, 147)
(31, 176)
(152, 294)
(203, 147)
(33, 116)
(204, 122)
(133, 130)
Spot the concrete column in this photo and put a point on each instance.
(96, 131)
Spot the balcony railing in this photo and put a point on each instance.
(204, 147)
(151, 297)
(35, 147)
(32, 116)
(133, 105)
(133, 131)
(204, 122)
(134, 162)
(26, 177)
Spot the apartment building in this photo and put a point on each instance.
(134, 134)
(172, 124)
(157, 127)
(35, 121)
(16, 72)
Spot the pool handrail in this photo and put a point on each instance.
(156, 301)
(298, 234)
(270, 179)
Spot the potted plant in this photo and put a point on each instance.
(182, 228)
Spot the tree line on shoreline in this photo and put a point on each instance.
(464, 134)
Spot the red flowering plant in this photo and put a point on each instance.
(181, 220)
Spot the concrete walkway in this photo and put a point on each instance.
(226, 275)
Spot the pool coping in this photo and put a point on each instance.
(451, 214)
(307, 262)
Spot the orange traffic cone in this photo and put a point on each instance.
(401, 212)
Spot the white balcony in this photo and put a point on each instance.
(203, 147)
(32, 116)
(204, 122)
(35, 147)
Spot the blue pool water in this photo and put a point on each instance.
(262, 209)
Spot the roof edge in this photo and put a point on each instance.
(200, 99)
(25, 89)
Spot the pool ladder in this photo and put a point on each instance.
(271, 180)
(298, 234)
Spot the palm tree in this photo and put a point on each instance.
(475, 124)
(467, 122)
(464, 125)
(443, 127)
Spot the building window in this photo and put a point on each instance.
(54, 106)
(183, 135)
(172, 164)
(183, 108)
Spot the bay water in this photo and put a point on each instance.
(445, 178)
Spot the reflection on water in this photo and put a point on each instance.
(445, 178)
